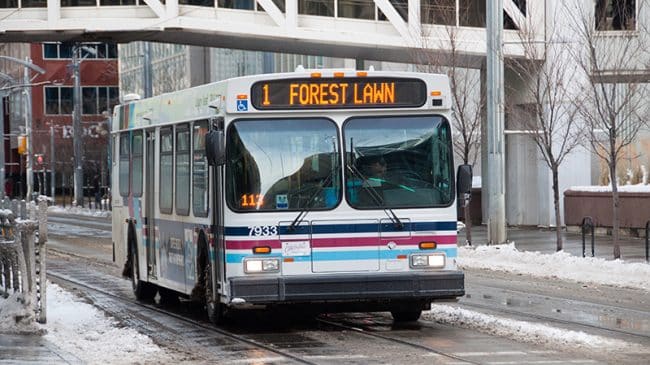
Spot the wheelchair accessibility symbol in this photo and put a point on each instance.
(242, 105)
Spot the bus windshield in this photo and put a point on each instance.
(398, 162)
(283, 164)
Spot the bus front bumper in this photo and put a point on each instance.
(349, 287)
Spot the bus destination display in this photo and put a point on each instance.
(330, 93)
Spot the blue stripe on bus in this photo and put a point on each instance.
(349, 228)
(233, 258)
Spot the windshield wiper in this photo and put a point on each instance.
(374, 195)
(303, 213)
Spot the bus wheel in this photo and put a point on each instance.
(143, 291)
(213, 306)
(402, 315)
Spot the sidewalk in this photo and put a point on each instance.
(543, 240)
(32, 349)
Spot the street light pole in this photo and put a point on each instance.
(28, 131)
(495, 124)
(76, 126)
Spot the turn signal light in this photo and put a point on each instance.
(261, 249)
(427, 245)
(316, 75)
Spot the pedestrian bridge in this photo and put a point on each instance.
(388, 30)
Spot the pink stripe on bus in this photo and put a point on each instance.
(344, 242)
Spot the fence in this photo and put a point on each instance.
(22, 258)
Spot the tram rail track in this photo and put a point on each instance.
(203, 326)
(58, 277)
(549, 318)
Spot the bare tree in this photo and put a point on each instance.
(548, 119)
(465, 82)
(614, 101)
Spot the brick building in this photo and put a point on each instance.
(52, 106)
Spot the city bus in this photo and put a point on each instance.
(331, 190)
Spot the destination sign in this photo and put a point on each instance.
(331, 93)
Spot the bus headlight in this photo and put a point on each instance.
(261, 265)
(435, 261)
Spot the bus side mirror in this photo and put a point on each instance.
(464, 180)
(215, 148)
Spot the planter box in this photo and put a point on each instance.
(633, 208)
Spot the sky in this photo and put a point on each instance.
(87, 333)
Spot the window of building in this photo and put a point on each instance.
(356, 9)
(182, 170)
(97, 99)
(136, 173)
(441, 12)
(8, 4)
(63, 50)
(116, 2)
(199, 170)
(58, 100)
(237, 4)
(78, 3)
(34, 4)
(615, 14)
(316, 7)
(197, 2)
(66, 100)
(89, 100)
(166, 170)
(125, 159)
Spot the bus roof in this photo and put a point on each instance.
(304, 90)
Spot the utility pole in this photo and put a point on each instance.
(28, 131)
(495, 121)
(76, 127)
(52, 160)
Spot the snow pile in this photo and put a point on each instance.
(88, 334)
(637, 188)
(15, 316)
(525, 331)
(79, 211)
(561, 265)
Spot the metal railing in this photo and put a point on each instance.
(22, 258)
(588, 222)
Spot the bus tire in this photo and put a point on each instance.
(214, 308)
(142, 290)
(410, 315)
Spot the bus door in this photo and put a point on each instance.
(149, 191)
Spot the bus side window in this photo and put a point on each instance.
(125, 161)
(183, 170)
(199, 170)
(166, 170)
(136, 171)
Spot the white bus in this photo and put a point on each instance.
(327, 189)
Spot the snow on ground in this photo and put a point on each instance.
(637, 188)
(15, 318)
(85, 332)
(527, 332)
(560, 265)
(79, 211)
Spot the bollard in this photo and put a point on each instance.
(588, 222)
